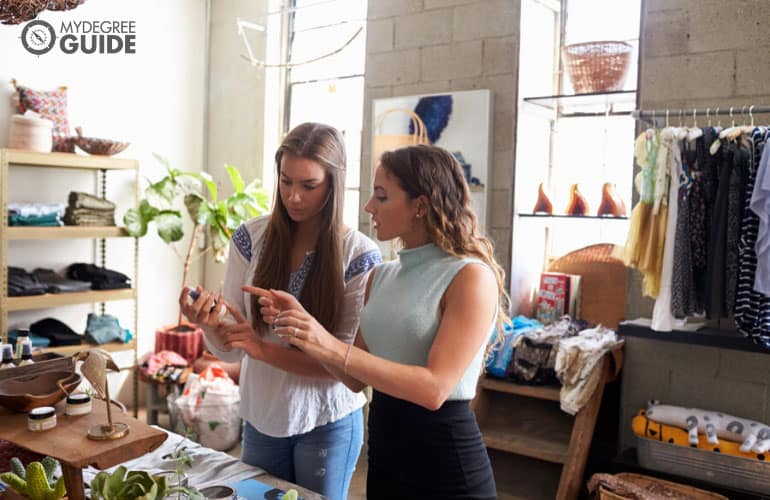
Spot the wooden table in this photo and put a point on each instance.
(69, 443)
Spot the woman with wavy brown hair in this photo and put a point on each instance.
(424, 331)
(301, 424)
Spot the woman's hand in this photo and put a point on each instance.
(298, 327)
(240, 335)
(267, 307)
(201, 311)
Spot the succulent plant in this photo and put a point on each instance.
(36, 480)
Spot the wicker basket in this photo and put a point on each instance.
(660, 487)
(603, 282)
(597, 66)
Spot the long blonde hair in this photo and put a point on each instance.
(452, 225)
(324, 289)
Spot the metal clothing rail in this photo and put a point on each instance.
(744, 111)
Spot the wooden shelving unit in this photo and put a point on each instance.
(100, 166)
(47, 300)
(527, 421)
(69, 350)
(65, 232)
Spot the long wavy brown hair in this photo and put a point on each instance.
(323, 290)
(450, 221)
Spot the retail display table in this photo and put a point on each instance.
(69, 443)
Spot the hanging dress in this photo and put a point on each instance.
(646, 236)
(699, 215)
(715, 272)
(752, 309)
(670, 158)
(736, 199)
(683, 300)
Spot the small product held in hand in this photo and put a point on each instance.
(194, 294)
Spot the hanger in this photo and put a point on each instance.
(708, 116)
(695, 131)
(667, 125)
(730, 132)
(748, 128)
(751, 115)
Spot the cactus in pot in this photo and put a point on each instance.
(36, 480)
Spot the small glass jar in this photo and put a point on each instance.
(41, 419)
(78, 404)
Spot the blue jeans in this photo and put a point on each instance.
(322, 460)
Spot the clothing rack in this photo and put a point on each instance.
(744, 111)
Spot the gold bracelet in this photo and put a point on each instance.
(347, 358)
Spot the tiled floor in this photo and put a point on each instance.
(357, 485)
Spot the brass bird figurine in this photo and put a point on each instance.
(96, 363)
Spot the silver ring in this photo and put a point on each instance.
(294, 331)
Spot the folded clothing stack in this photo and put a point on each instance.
(35, 214)
(105, 328)
(20, 282)
(88, 210)
(37, 340)
(56, 283)
(100, 278)
(59, 333)
(41, 281)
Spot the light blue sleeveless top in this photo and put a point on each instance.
(401, 318)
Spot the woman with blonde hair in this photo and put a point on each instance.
(301, 424)
(424, 331)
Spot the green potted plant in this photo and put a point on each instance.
(35, 481)
(215, 217)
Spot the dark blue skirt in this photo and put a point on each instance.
(415, 452)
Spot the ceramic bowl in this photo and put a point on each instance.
(96, 146)
(21, 394)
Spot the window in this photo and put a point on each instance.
(563, 141)
(330, 90)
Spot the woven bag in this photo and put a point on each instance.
(389, 142)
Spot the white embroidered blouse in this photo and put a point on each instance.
(276, 402)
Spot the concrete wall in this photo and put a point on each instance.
(428, 46)
(699, 53)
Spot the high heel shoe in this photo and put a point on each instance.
(543, 204)
(577, 202)
(612, 204)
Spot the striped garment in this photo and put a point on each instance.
(752, 309)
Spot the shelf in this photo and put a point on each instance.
(64, 299)
(532, 434)
(65, 232)
(622, 103)
(557, 216)
(549, 392)
(476, 189)
(709, 337)
(67, 160)
(69, 350)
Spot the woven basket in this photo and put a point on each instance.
(602, 284)
(660, 487)
(597, 66)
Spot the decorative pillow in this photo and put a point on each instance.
(51, 105)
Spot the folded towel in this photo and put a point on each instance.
(79, 199)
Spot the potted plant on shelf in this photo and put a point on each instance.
(216, 218)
